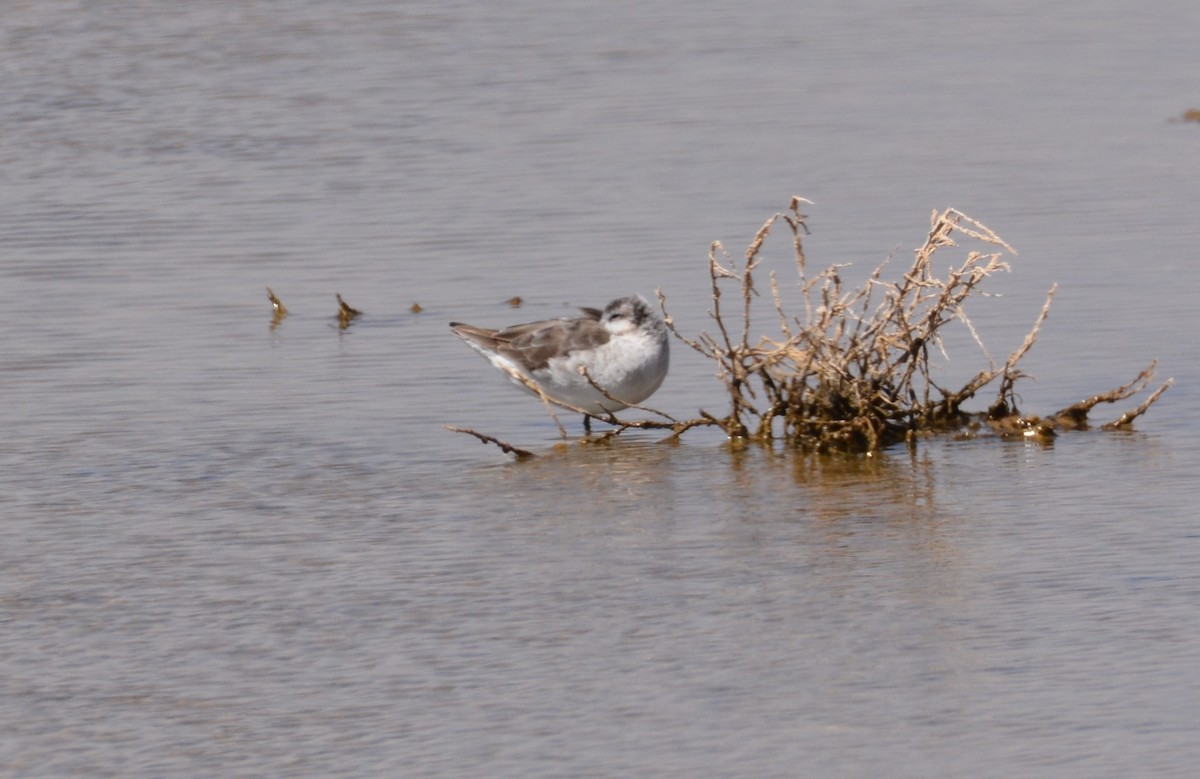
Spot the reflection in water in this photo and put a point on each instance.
(626, 461)
(835, 506)
(855, 507)
(616, 479)
(899, 482)
(717, 554)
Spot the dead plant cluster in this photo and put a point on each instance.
(854, 371)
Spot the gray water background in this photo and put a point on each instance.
(228, 549)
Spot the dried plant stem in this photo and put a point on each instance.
(1127, 418)
(521, 454)
(1075, 415)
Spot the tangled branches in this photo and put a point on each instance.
(854, 373)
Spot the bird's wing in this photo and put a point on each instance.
(535, 344)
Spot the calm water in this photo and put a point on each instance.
(228, 549)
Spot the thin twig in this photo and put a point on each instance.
(1076, 414)
(1127, 418)
(521, 454)
(583, 371)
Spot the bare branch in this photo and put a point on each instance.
(1127, 418)
(521, 454)
(1075, 415)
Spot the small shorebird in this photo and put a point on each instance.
(622, 348)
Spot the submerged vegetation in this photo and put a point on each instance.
(345, 314)
(852, 372)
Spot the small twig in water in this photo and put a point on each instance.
(345, 312)
(278, 310)
(276, 304)
(521, 454)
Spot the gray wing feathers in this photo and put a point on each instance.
(533, 345)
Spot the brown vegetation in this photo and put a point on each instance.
(346, 313)
(853, 373)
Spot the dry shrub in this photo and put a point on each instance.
(853, 373)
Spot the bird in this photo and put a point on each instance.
(623, 349)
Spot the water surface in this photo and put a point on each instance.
(233, 549)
